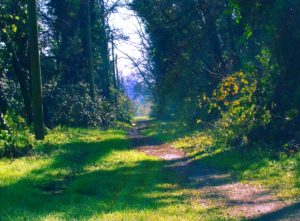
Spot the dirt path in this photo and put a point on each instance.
(217, 189)
(152, 147)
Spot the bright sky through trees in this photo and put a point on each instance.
(126, 21)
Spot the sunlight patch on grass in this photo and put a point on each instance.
(142, 118)
(194, 143)
(78, 174)
(166, 131)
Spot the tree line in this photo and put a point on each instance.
(227, 64)
(58, 67)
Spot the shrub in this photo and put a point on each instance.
(124, 108)
(236, 102)
(71, 105)
(15, 137)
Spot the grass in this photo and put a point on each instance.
(259, 164)
(78, 174)
(142, 118)
(166, 131)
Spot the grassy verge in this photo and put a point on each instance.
(141, 118)
(78, 174)
(259, 164)
(166, 131)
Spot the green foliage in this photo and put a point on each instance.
(124, 108)
(10, 92)
(231, 57)
(235, 101)
(15, 138)
(194, 143)
(72, 105)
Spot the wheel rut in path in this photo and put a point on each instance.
(217, 189)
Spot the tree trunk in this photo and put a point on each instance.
(104, 56)
(87, 44)
(114, 68)
(117, 73)
(20, 74)
(35, 70)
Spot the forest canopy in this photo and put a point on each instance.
(228, 62)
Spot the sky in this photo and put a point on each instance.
(126, 21)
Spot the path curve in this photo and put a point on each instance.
(217, 189)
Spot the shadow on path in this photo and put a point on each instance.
(289, 213)
(217, 189)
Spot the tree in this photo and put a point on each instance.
(104, 51)
(13, 34)
(35, 70)
(87, 44)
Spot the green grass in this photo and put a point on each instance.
(78, 174)
(141, 118)
(279, 172)
(166, 131)
(259, 164)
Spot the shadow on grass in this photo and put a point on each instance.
(227, 168)
(166, 131)
(289, 213)
(76, 184)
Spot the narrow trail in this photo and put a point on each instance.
(152, 147)
(217, 189)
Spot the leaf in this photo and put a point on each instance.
(14, 28)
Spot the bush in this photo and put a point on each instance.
(124, 108)
(236, 101)
(71, 105)
(15, 137)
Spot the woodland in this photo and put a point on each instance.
(205, 127)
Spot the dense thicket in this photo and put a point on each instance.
(231, 62)
(79, 83)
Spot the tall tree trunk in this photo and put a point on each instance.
(35, 70)
(87, 44)
(114, 67)
(104, 55)
(21, 76)
(117, 73)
